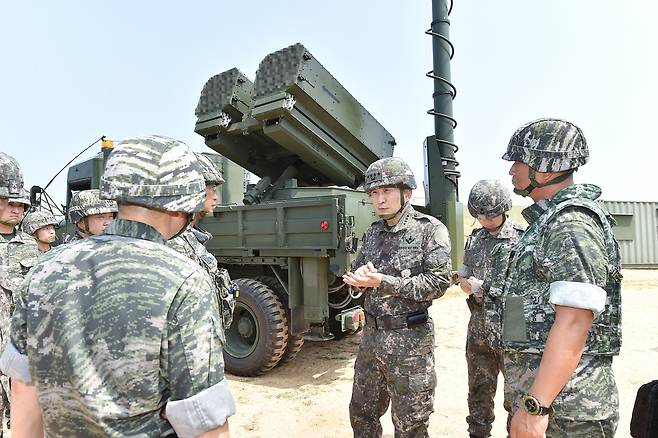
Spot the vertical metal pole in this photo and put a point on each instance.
(440, 163)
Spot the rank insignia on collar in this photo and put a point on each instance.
(409, 239)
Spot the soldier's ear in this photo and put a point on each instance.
(407, 195)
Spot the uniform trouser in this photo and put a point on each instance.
(404, 379)
(561, 428)
(484, 364)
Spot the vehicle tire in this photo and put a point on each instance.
(257, 338)
(295, 342)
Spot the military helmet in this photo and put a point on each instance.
(37, 219)
(23, 198)
(88, 202)
(391, 171)
(548, 145)
(211, 173)
(154, 172)
(490, 198)
(11, 177)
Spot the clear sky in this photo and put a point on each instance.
(71, 71)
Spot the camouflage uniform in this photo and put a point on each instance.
(11, 188)
(567, 257)
(484, 362)
(119, 333)
(397, 364)
(192, 244)
(86, 203)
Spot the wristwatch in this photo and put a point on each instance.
(534, 407)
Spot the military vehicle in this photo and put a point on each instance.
(288, 239)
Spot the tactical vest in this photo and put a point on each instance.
(521, 323)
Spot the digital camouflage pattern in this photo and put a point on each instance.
(569, 239)
(11, 176)
(490, 198)
(392, 171)
(87, 202)
(191, 243)
(548, 145)
(115, 326)
(70, 238)
(155, 172)
(414, 256)
(22, 252)
(211, 174)
(483, 360)
(36, 220)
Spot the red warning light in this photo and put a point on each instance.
(324, 225)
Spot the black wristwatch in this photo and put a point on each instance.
(534, 407)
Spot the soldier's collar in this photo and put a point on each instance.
(533, 212)
(589, 191)
(201, 235)
(403, 223)
(506, 230)
(138, 230)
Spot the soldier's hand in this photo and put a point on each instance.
(525, 425)
(364, 276)
(476, 286)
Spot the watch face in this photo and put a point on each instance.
(531, 405)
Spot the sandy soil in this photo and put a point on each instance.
(309, 397)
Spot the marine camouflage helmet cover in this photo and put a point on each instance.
(548, 145)
(155, 172)
(11, 176)
(36, 220)
(87, 202)
(490, 198)
(391, 171)
(23, 197)
(211, 173)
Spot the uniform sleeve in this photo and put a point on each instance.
(575, 261)
(14, 361)
(433, 281)
(200, 399)
(466, 268)
(360, 259)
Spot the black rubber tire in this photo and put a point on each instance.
(260, 312)
(295, 342)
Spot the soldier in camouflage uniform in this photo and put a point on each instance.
(560, 302)
(192, 243)
(403, 265)
(90, 214)
(488, 202)
(40, 225)
(118, 335)
(12, 207)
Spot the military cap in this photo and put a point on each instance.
(211, 173)
(490, 198)
(37, 219)
(392, 171)
(548, 145)
(11, 176)
(155, 172)
(87, 202)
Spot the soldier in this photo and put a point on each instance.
(13, 202)
(90, 214)
(40, 225)
(121, 337)
(403, 264)
(488, 202)
(560, 301)
(191, 242)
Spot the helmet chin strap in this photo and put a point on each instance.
(84, 229)
(190, 218)
(534, 184)
(403, 203)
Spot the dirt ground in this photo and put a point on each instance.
(309, 397)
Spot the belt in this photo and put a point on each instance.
(392, 322)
